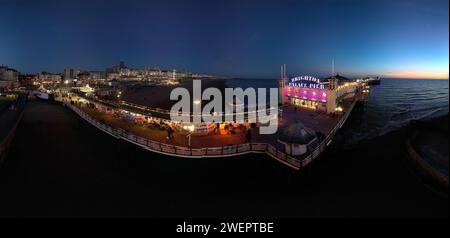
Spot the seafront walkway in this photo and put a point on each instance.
(220, 145)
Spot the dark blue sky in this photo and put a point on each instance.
(246, 38)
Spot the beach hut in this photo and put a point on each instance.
(297, 139)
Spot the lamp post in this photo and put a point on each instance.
(189, 139)
(197, 112)
(196, 102)
(190, 131)
(339, 111)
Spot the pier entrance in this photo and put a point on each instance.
(304, 103)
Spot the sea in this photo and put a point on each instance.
(392, 104)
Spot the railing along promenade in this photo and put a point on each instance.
(215, 152)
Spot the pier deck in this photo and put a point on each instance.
(317, 121)
(222, 145)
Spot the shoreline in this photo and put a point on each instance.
(429, 174)
(428, 147)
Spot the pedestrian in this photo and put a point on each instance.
(169, 133)
(216, 127)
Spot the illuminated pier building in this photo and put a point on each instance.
(314, 93)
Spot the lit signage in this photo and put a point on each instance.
(306, 82)
(308, 88)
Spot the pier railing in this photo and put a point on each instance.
(212, 152)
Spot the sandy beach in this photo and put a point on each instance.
(159, 96)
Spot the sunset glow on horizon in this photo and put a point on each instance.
(402, 38)
(418, 74)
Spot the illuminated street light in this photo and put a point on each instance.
(189, 128)
(196, 102)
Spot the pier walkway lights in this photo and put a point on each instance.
(190, 128)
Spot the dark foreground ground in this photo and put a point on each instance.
(59, 165)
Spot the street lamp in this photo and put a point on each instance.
(190, 131)
(197, 102)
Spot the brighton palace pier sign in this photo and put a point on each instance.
(306, 82)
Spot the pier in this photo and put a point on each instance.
(215, 146)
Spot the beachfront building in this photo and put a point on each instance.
(86, 89)
(298, 139)
(317, 94)
(90, 76)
